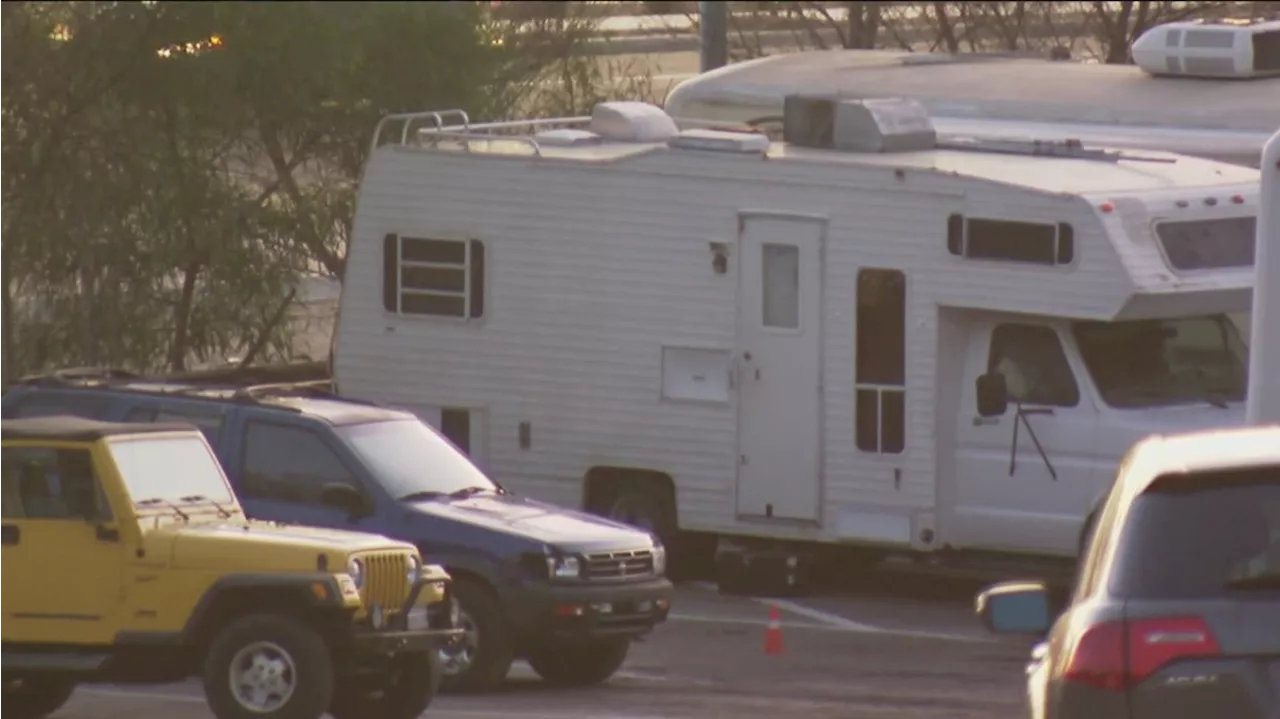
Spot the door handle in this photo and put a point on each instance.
(11, 534)
(985, 421)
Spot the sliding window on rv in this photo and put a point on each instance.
(1152, 363)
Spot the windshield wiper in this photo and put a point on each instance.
(422, 494)
(157, 501)
(472, 491)
(226, 513)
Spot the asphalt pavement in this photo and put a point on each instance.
(899, 648)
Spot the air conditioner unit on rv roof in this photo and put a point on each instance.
(1221, 50)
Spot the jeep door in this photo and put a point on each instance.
(63, 561)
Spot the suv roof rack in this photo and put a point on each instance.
(69, 375)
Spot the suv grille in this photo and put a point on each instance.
(386, 580)
(619, 565)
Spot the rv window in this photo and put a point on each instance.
(1208, 244)
(1033, 364)
(1030, 242)
(1266, 51)
(880, 363)
(433, 277)
(780, 278)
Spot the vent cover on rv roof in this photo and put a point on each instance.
(872, 125)
(632, 122)
(1194, 49)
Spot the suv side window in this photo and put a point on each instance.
(49, 404)
(41, 483)
(289, 464)
(1032, 361)
(209, 424)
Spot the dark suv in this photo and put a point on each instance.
(1176, 611)
(566, 590)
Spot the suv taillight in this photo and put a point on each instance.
(1118, 655)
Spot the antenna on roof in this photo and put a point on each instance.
(1070, 148)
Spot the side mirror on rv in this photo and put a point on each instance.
(993, 394)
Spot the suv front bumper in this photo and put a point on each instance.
(586, 611)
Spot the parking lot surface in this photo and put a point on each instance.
(905, 648)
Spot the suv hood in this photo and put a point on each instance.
(255, 546)
(547, 523)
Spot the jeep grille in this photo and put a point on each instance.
(386, 580)
(636, 563)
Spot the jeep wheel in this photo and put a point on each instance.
(479, 659)
(404, 693)
(579, 665)
(35, 697)
(268, 666)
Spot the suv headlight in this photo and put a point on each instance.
(355, 568)
(413, 570)
(560, 567)
(659, 559)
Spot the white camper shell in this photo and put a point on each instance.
(786, 340)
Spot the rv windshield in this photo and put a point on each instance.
(1149, 363)
(411, 460)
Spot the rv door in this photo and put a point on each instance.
(1025, 468)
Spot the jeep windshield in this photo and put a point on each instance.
(171, 471)
(413, 461)
(1151, 363)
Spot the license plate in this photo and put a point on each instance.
(418, 619)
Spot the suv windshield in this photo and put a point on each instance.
(1148, 363)
(1202, 537)
(409, 458)
(170, 469)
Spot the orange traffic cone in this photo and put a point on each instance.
(773, 633)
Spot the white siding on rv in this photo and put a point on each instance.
(594, 266)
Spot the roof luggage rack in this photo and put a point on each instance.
(71, 375)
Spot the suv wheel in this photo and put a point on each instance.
(268, 666)
(579, 665)
(36, 697)
(405, 693)
(480, 659)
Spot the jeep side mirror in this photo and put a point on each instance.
(1014, 608)
(993, 394)
(344, 497)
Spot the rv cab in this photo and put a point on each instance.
(1048, 403)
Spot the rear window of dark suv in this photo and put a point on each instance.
(1197, 536)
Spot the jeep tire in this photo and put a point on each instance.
(36, 696)
(404, 692)
(487, 642)
(579, 664)
(287, 661)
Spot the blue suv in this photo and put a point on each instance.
(565, 590)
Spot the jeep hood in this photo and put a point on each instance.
(537, 521)
(259, 546)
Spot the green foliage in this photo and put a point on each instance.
(171, 168)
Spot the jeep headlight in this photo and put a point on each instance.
(413, 569)
(561, 567)
(355, 568)
(659, 559)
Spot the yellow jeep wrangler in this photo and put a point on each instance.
(127, 559)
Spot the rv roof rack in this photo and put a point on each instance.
(1069, 148)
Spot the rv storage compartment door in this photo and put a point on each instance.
(779, 362)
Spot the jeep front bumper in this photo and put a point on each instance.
(411, 629)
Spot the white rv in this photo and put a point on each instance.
(1197, 89)
(863, 336)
